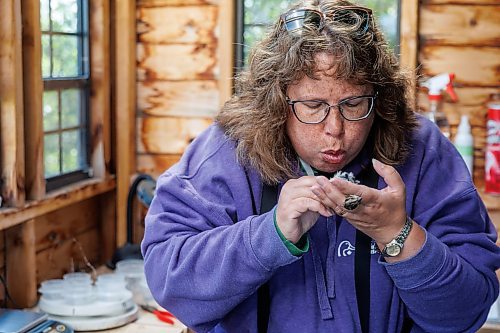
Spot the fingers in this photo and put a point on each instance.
(297, 198)
(340, 211)
(389, 174)
(336, 198)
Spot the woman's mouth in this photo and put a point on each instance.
(333, 156)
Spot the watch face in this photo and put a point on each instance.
(392, 250)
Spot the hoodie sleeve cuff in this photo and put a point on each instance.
(422, 267)
(298, 249)
(266, 244)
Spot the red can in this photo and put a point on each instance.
(492, 158)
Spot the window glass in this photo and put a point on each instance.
(51, 155)
(65, 56)
(70, 150)
(46, 55)
(387, 15)
(64, 15)
(257, 15)
(70, 110)
(50, 110)
(45, 15)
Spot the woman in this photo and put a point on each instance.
(405, 245)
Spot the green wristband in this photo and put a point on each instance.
(298, 249)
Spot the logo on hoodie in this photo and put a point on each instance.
(346, 249)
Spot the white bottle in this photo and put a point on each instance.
(464, 142)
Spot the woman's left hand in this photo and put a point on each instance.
(381, 214)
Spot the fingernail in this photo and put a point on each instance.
(377, 163)
(315, 190)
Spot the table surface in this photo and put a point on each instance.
(147, 322)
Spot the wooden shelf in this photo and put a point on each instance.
(10, 217)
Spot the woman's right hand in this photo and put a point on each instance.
(298, 208)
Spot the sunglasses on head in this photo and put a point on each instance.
(349, 16)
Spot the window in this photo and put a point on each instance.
(65, 72)
(254, 16)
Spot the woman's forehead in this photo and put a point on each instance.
(325, 63)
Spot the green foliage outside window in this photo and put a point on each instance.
(259, 14)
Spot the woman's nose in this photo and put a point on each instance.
(334, 123)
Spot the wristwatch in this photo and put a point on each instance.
(394, 247)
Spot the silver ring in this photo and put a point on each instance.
(352, 201)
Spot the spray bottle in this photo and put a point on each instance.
(464, 142)
(436, 85)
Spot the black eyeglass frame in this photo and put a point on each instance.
(338, 105)
(299, 13)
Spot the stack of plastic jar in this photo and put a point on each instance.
(111, 287)
(53, 289)
(133, 271)
(79, 288)
(73, 289)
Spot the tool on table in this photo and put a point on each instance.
(162, 315)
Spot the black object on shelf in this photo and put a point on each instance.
(143, 187)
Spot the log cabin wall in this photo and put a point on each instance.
(463, 37)
(177, 77)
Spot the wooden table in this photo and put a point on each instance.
(148, 323)
(490, 327)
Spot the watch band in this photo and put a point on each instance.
(399, 240)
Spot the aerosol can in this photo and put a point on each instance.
(436, 85)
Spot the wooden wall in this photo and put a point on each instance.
(463, 37)
(177, 77)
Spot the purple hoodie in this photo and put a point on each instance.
(207, 252)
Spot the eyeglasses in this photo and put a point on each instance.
(352, 109)
(350, 16)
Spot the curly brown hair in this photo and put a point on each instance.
(255, 116)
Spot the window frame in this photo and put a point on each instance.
(81, 81)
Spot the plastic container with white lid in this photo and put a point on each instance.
(111, 279)
(53, 289)
(112, 287)
(79, 294)
(78, 277)
(130, 267)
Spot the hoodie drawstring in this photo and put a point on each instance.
(323, 301)
(331, 226)
(325, 286)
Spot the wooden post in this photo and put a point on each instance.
(33, 101)
(409, 40)
(124, 35)
(225, 49)
(101, 87)
(107, 203)
(11, 105)
(21, 264)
